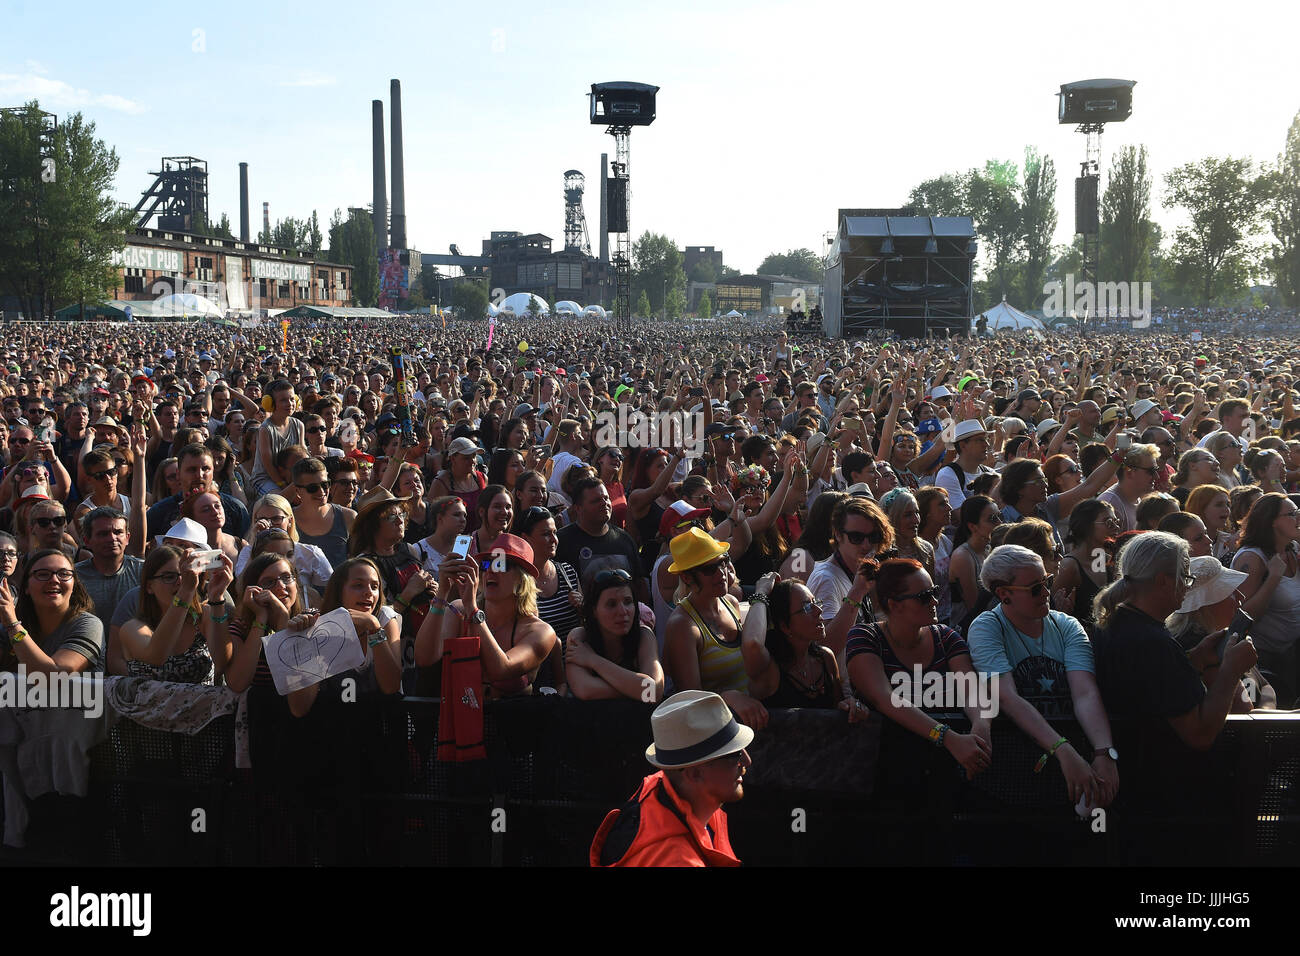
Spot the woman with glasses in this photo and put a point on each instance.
(1196, 467)
(612, 654)
(909, 636)
(319, 521)
(1062, 473)
(975, 522)
(1271, 591)
(166, 640)
(206, 508)
(788, 666)
(273, 513)
(492, 596)
(1086, 569)
(268, 598)
(608, 462)
(356, 586)
(1227, 450)
(9, 554)
(1047, 672)
(52, 626)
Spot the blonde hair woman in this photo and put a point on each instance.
(274, 512)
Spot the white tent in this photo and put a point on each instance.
(517, 304)
(733, 314)
(595, 311)
(1007, 317)
(567, 307)
(185, 303)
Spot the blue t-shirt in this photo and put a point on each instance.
(1038, 665)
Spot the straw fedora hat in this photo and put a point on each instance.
(694, 727)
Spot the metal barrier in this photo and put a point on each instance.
(358, 784)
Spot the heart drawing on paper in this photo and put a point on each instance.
(313, 652)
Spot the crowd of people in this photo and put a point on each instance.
(1108, 523)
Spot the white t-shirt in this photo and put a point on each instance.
(829, 586)
(946, 478)
(563, 462)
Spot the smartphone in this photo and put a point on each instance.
(205, 560)
(696, 392)
(461, 548)
(1123, 442)
(542, 452)
(1241, 625)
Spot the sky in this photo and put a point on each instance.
(771, 116)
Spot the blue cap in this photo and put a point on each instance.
(929, 426)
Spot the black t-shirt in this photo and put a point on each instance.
(579, 548)
(1141, 670)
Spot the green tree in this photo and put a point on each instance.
(1126, 228)
(944, 195)
(1284, 217)
(797, 263)
(1224, 199)
(705, 308)
(1039, 217)
(61, 225)
(642, 309)
(352, 242)
(534, 306)
(994, 201)
(429, 277)
(314, 238)
(656, 269)
(676, 302)
(726, 272)
(469, 296)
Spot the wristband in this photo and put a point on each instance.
(17, 634)
(760, 598)
(1042, 761)
(220, 602)
(177, 602)
(1118, 456)
(849, 600)
(402, 601)
(376, 639)
(220, 620)
(437, 610)
(935, 734)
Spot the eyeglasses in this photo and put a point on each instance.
(994, 517)
(284, 580)
(857, 537)
(316, 487)
(9, 554)
(730, 760)
(1072, 470)
(20, 441)
(102, 475)
(930, 595)
(713, 568)
(396, 517)
(167, 577)
(45, 575)
(57, 521)
(612, 574)
(1035, 589)
(1151, 469)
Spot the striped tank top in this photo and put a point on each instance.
(721, 665)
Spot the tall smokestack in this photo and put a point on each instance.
(399, 178)
(604, 208)
(266, 220)
(379, 205)
(243, 202)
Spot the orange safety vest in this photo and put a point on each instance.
(656, 828)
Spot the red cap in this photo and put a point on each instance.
(513, 547)
(678, 513)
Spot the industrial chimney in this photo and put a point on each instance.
(243, 202)
(604, 208)
(379, 205)
(399, 177)
(266, 220)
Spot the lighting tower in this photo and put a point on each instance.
(618, 107)
(575, 223)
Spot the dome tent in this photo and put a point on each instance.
(595, 311)
(517, 304)
(567, 307)
(1007, 317)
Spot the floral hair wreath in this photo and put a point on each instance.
(750, 475)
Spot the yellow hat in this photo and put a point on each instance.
(693, 548)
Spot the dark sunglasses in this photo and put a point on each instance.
(1035, 590)
(713, 568)
(102, 475)
(58, 521)
(929, 595)
(617, 575)
(316, 430)
(857, 537)
(316, 487)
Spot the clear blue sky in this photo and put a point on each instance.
(771, 115)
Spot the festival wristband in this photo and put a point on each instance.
(1042, 761)
(376, 639)
(17, 634)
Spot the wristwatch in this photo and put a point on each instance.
(1110, 752)
(479, 617)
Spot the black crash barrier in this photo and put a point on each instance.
(359, 784)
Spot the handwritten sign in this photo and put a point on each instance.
(329, 647)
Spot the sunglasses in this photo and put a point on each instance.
(617, 575)
(929, 595)
(396, 517)
(102, 475)
(316, 487)
(58, 521)
(45, 575)
(857, 537)
(713, 568)
(19, 441)
(316, 430)
(9, 554)
(1036, 589)
(810, 607)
